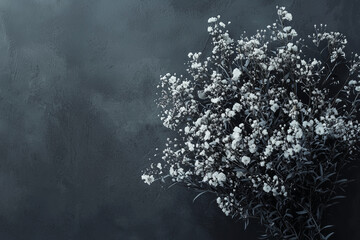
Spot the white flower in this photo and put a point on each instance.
(294, 123)
(219, 178)
(187, 130)
(252, 148)
(252, 96)
(297, 148)
(314, 62)
(203, 127)
(290, 138)
(266, 188)
(172, 171)
(287, 16)
(222, 24)
(299, 133)
(215, 100)
(159, 166)
(352, 82)
(207, 135)
(237, 130)
(308, 124)
(231, 113)
(148, 179)
(293, 33)
(172, 79)
(319, 129)
(236, 74)
(288, 153)
(195, 65)
(289, 46)
(236, 107)
(239, 174)
(190, 146)
(245, 160)
(268, 165)
(268, 150)
(274, 107)
(212, 20)
(287, 29)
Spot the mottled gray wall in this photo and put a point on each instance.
(78, 121)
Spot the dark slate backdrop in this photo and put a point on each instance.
(78, 121)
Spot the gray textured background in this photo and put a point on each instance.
(78, 121)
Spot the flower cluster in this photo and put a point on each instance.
(264, 123)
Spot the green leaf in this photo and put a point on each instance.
(199, 195)
(329, 235)
(321, 170)
(338, 197)
(341, 181)
(302, 212)
(327, 226)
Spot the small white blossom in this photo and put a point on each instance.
(352, 82)
(236, 74)
(266, 188)
(237, 107)
(274, 107)
(207, 135)
(212, 20)
(252, 148)
(239, 174)
(245, 160)
(187, 130)
(148, 179)
(319, 129)
(287, 16)
(297, 148)
(215, 100)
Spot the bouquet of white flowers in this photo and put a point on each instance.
(266, 123)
